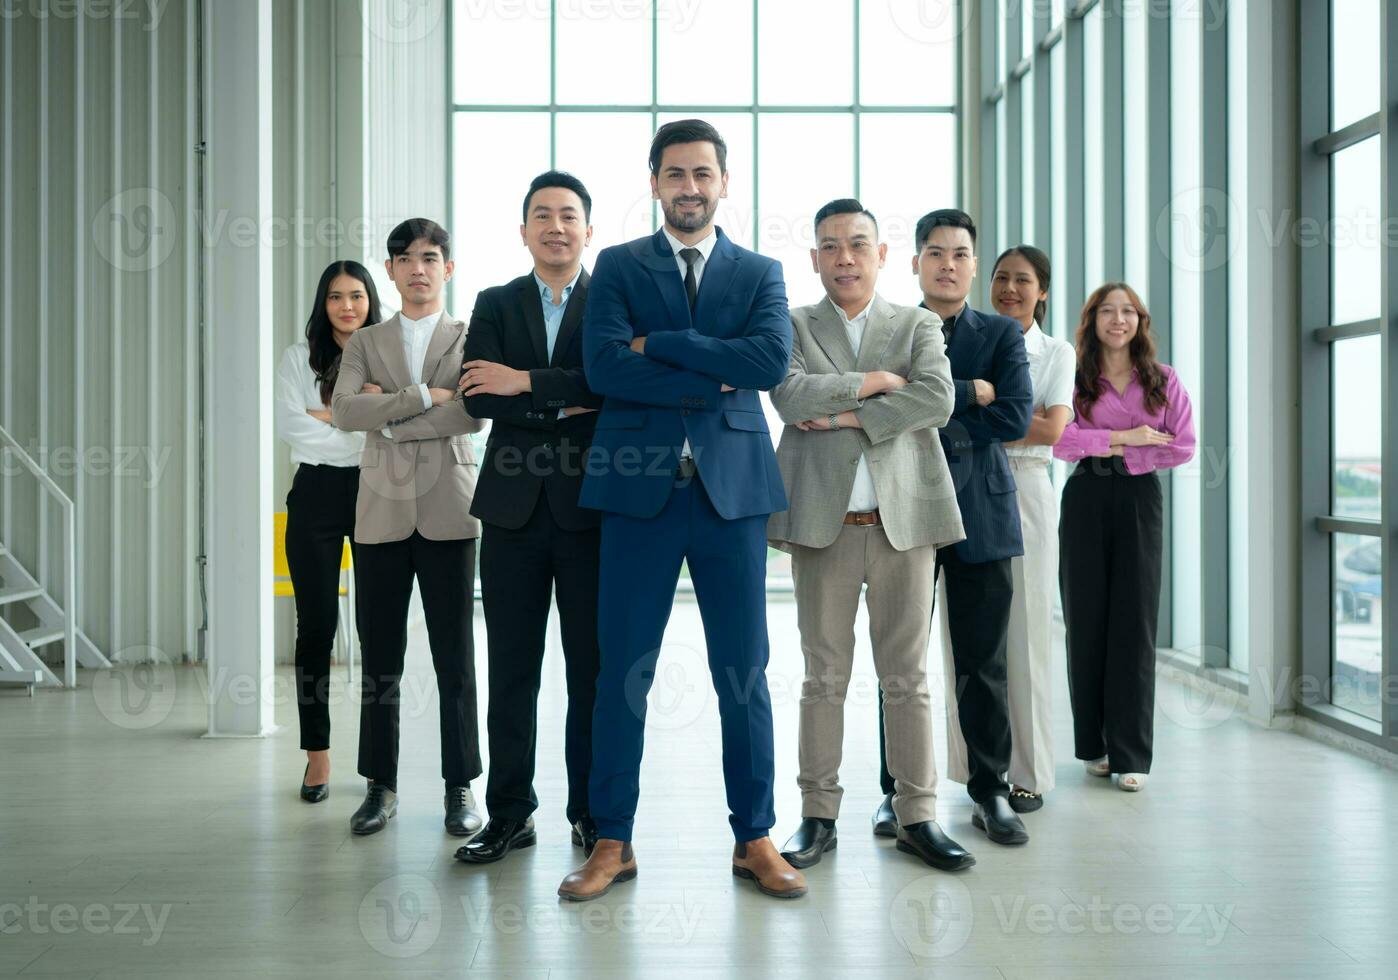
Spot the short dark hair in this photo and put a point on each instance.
(844, 205)
(687, 131)
(943, 218)
(559, 178)
(407, 232)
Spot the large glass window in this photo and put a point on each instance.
(1187, 250)
(1355, 235)
(1062, 318)
(533, 85)
(1028, 133)
(1002, 173)
(1357, 639)
(1353, 365)
(1242, 532)
(1354, 55)
(1093, 148)
(1356, 427)
(1135, 146)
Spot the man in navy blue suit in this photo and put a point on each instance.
(682, 330)
(994, 398)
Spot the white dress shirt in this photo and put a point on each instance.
(417, 334)
(1052, 367)
(706, 248)
(862, 498)
(311, 440)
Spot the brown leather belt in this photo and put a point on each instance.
(862, 519)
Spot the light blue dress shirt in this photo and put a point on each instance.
(553, 313)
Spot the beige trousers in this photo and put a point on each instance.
(899, 600)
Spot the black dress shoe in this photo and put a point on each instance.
(313, 794)
(499, 838)
(585, 835)
(928, 841)
(811, 840)
(1000, 823)
(463, 819)
(379, 806)
(885, 821)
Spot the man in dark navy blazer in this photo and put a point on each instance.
(994, 399)
(682, 330)
(524, 372)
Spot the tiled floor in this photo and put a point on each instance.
(131, 847)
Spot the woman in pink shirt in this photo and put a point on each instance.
(1132, 418)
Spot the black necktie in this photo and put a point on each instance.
(691, 285)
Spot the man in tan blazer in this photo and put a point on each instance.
(871, 500)
(398, 383)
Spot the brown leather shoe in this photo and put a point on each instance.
(759, 862)
(612, 861)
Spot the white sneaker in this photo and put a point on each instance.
(1098, 767)
(1132, 782)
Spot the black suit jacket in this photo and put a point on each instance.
(530, 448)
(990, 347)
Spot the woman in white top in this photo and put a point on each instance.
(320, 507)
(1019, 285)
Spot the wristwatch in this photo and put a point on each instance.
(834, 422)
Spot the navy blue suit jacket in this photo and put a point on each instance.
(990, 347)
(739, 334)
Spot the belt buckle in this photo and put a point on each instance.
(686, 470)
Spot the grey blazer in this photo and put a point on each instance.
(422, 479)
(917, 501)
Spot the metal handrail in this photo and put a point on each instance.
(70, 564)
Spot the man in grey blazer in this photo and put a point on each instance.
(871, 500)
(398, 383)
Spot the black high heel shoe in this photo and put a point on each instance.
(313, 794)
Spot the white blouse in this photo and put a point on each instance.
(1052, 366)
(310, 439)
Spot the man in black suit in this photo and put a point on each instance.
(994, 399)
(524, 371)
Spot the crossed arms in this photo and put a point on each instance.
(681, 368)
(531, 399)
(359, 405)
(881, 403)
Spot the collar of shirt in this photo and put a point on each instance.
(546, 291)
(427, 323)
(859, 319)
(705, 247)
(1033, 340)
(949, 324)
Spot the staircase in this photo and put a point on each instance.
(20, 662)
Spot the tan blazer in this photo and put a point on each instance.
(422, 478)
(917, 500)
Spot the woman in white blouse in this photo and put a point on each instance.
(320, 507)
(1019, 285)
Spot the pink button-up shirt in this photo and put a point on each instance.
(1093, 436)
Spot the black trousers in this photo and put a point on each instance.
(319, 516)
(1110, 538)
(978, 616)
(446, 573)
(520, 568)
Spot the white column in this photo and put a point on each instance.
(1273, 572)
(238, 364)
